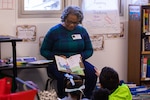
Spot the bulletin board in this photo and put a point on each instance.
(26, 32)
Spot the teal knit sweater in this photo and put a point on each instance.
(60, 41)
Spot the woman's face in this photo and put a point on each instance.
(71, 22)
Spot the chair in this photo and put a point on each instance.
(49, 81)
(23, 95)
(51, 78)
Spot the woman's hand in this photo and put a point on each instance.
(63, 56)
(97, 71)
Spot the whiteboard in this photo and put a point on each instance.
(101, 18)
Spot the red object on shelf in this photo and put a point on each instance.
(23, 95)
(5, 91)
(5, 85)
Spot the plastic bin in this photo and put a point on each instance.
(23, 95)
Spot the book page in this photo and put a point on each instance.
(62, 63)
(73, 63)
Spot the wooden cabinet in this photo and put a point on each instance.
(138, 25)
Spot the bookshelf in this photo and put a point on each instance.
(138, 43)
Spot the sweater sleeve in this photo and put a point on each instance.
(88, 49)
(46, 47)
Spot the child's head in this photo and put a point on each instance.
(109, 78)
(75, 89)
(100, 94)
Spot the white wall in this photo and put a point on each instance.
(113, 55)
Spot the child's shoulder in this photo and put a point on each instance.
(121, 92)
(124, 86)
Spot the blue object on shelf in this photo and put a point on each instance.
(139, 90)
(148, 71)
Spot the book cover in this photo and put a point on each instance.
(148, 67)
(40, 62)
(147, 43)
(72, 64)
(143, 44)
(143, 20)
(144, 67)
(146, 20)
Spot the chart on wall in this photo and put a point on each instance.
(121, 34)
(7, 4)
(26, 32)
(102, 16)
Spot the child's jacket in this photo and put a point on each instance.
(121, 93)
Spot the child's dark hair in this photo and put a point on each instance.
(109, 78)
(100, 94)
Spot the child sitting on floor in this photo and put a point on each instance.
(110, 87)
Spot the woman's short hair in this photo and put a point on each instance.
(109, 78)
(75, 10)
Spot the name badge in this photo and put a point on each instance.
(76, 36)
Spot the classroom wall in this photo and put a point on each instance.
(113, 55)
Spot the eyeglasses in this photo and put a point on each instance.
(71, 22)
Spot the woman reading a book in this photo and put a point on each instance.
(66, 39)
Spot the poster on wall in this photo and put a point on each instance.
(118, 35)
(97, 42)
(141, 2)
(102, 16)
(26, 32)
(134, 12)
(7, 4)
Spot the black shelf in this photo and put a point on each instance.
(13, 41)
(27, 66)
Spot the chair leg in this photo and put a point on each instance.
(47, 83)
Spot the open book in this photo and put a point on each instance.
(73, 63)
